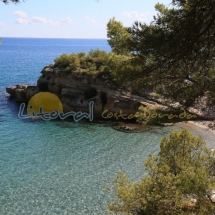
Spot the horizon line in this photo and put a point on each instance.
(53, 38)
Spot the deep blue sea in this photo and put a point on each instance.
(62, 167)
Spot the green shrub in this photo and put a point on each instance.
(71, 61)
(95, 60)
(62, 61)
(81, 54)
(95, 64)
(98, 57)
(144, 116)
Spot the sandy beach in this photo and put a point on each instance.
(200, 129)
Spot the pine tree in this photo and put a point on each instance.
(180, 180)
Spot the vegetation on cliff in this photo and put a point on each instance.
(94, 64)
(180, 180)
(109, 67)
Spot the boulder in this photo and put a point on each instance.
(21, 95)
(18, 91)
(11, 91)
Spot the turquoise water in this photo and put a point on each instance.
(61, 167)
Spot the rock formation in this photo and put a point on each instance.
(76, 91)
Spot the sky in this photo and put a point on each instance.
(71, 18)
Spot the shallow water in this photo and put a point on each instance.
(61, 167)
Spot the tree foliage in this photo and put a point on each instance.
(69, 62)
(118, 35)
(179, 181)
(13, 1)
(177, 48)
(121, 67)
(93, 62)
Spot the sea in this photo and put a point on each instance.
(60, 166)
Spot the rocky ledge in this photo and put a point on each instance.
(76, 91)
(22, 92)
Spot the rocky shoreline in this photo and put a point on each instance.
(76, 91)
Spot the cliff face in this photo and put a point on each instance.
(76, 91)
